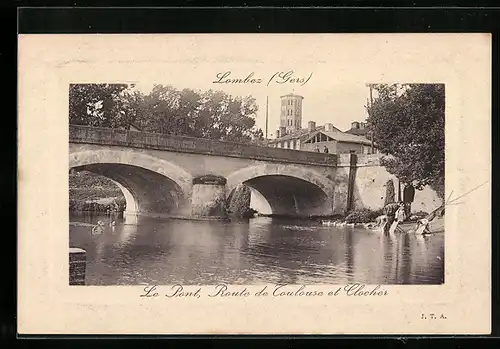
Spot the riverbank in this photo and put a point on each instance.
(89, 192)
(367, 219)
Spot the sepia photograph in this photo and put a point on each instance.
(172, 184)
(289, 183)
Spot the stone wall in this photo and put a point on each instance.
(332, 147)
(370, 190)
(209, 200)
(335, 147)
(77, 266)
(369, 187)
(341, 190)
(345, 148)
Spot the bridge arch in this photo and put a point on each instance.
(149, 184)
(130, 200)
(288, 189)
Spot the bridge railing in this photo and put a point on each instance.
(343, 160)
(147, 140)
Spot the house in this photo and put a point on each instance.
(313, 137)
(359, 129)
(292, 140)
(291, 135)
(337, 142)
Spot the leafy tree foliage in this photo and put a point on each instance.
(204, 114)
(97, 105)
(407, 122)
(210, 114)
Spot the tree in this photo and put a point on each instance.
(408, 127)
(203, 114)
(209, 114)
(132, 104)
(162, 111)
(98, 105)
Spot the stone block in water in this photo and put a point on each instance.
(77, 266)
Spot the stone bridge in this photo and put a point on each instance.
(184, 176)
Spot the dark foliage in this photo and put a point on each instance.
(362, 215)
(408, 126)
(203, 114)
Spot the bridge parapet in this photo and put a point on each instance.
(147, 140)
(344, 160)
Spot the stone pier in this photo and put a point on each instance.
(77, 266)
(208, 198)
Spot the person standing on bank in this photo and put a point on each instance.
(316, 149)
(408, 197)
(325, 150)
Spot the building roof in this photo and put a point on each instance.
(292, 95)
(304, 135)
(300, 134)
(358, 131)
(342, 137)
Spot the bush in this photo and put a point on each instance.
(239, 201)
(83, 206)
(86, 189)
(377, 213)
(362, 215)
(84, 186)
(420, 214)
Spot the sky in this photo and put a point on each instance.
(341, 65)
(336, 68)
(324, 99)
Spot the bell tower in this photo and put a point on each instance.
(291, 112)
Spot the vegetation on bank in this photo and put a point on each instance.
(91, 192)
(239, 203)
(407, 121)
(362, 215)
(366, 215)
(82, 206)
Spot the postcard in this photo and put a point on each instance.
(254, 184)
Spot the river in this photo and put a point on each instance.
(139, 251)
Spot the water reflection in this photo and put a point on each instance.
(140, 250)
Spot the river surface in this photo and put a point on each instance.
(138, 251)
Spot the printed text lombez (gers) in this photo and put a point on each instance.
(283, 77)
